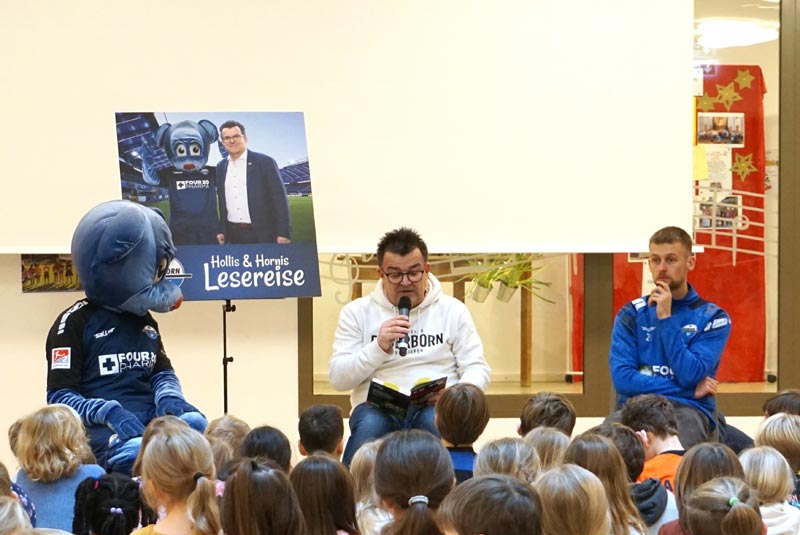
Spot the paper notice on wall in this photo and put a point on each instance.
(700, 163)
(719, 160)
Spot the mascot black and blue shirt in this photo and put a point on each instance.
(105, 357)
(192, 185)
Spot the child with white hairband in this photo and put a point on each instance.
(413, 474)
(108, 505)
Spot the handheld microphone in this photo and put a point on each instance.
(404, 306)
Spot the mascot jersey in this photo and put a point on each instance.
(669, 356)
(193, 217)
(103, 355)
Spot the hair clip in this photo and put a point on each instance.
(198, 475)
(96, 483)
(115, 510)
(418, 499)
(733, 501)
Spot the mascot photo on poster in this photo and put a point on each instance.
(192, 185)
(105, 356)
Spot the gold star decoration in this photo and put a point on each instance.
(744, 78)
(727, 95)
(705, 103)
(743, 166)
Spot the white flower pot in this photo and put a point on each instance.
(480, 293)
(505, 293)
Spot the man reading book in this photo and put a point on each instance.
(438, 331)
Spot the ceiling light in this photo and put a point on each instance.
(725, 33)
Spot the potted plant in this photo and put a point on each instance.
(519, 271)
(483, 280)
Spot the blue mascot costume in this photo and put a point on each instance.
(193, 214)
(105, 357)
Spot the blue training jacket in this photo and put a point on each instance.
(670, 356)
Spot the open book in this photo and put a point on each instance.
(387, 396)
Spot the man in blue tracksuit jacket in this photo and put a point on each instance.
(670, 342)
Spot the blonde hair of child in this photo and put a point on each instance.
(510, 456)
(550, 444)
(156, 425)
(362, 467)
(13, 518)
(601, 457)
(178, 463)
(573, 502)
(51, 443)
(782, 432)
(230, 429)
(768, 473)
(723, 506)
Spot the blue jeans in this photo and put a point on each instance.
(368, 423)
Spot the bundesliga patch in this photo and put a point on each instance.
(61, 358)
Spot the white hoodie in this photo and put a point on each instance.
(781, 518)
(442, 341)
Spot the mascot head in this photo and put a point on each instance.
(187, 143)
(121, 251)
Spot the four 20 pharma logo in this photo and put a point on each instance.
(176, 273)
(192, 184)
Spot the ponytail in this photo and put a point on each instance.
(417, 518)
(202, 506)
(741, 519)
(723, 506)
(108, 505)
(414, 473)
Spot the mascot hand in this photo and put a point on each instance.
(125, 424)
(174, 405)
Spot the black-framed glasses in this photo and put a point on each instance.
(231, 139)
(396, 277)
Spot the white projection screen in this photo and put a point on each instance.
(519, 125)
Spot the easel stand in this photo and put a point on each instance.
(227, 307)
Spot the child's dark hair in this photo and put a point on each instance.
(326, 494)
(259, 499)
(628, 445)
(267, 442)
(652, 413)
(492, 505)
(108, 505)
(787, 401)
(548, 409)
(462, 413)
(413, 473)
(321, 428)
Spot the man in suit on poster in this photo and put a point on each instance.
(252, 198)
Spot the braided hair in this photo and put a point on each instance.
(108, 505)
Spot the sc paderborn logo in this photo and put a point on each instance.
(176, 273)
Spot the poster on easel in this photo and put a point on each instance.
(235, 190)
